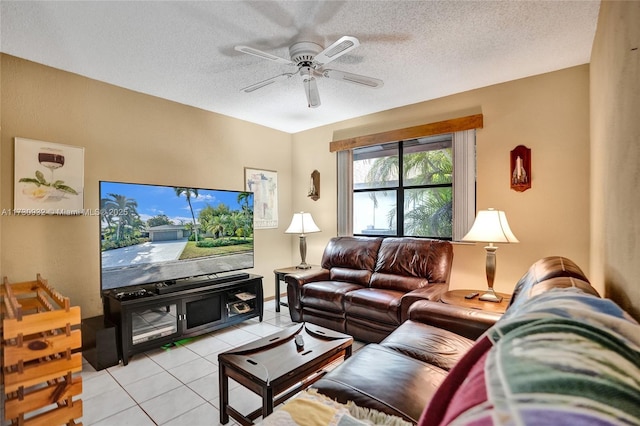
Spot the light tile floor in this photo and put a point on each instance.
(175, 385)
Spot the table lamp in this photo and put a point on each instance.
(302, 223)
(491, 227)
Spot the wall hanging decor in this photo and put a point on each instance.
(520, 168)
(264, 185)
(314, 186)
(49, 178)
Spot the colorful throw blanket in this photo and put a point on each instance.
(309, 408)
(563, 358)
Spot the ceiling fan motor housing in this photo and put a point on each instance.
(303, 52)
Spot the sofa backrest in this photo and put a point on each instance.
(351, 259)
(407, 263)
(547, 273)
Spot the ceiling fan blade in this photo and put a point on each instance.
(343, 45)
(264, 83)
(358, 79)
(310, 87)
(311, 90)
(264, 55)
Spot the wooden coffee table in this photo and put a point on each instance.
(274, 368)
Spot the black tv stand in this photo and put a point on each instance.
(147, 319)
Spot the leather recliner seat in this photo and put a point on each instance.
(367, 284)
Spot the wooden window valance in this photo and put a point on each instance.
(423, 130)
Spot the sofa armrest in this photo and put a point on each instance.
(470, 323)
(295, 282)
(430, 292)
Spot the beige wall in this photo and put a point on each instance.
(133, 137)
(548, 113)
(129, 137)
(615, 151)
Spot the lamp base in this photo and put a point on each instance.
(491, 296)
(303, 265)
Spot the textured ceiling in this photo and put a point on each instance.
(183, 50)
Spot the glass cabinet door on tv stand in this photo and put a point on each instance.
(154, 323)
(151, 320)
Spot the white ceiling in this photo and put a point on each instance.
(183, 50)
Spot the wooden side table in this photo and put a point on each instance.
(457, 298)
(279, 274)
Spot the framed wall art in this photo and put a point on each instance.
(49, 178)
(264, 185)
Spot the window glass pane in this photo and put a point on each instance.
(428, 161)
(428, 212)
(424, 188)
(375, 167)
(374, 212)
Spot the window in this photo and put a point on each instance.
(422, 187)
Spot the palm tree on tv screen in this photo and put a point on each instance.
(244, 199)
(187, 193)
(125, 212)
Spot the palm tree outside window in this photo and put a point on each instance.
(404, 188)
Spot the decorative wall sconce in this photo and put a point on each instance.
(314, 186)
(520, 168)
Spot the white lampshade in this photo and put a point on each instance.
(302, 223)
(490, 226)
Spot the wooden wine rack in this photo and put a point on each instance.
(41, 341)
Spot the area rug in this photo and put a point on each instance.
(309, 408)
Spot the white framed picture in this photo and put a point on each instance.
(49, 178)
(264, 185)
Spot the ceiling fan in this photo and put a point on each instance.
(310, 59)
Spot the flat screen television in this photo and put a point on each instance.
(160, 234)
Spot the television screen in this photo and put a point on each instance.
(158, 234)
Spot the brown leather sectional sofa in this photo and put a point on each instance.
(367, 284)
(401, 374)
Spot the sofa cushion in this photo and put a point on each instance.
(325, 318)
(546, 269)
(366, 380)
(367, 330)
(327, 295)
(432, 345)
(356, 276)
(357, 254)
(397, 282)
(559, 282)
(405, 264)
(467, 322)
(375, 304)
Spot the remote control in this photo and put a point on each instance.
(299, 342)
(471, 295)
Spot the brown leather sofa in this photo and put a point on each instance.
(367, 284)
(401, 374)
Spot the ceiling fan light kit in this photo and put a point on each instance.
(310, 58)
